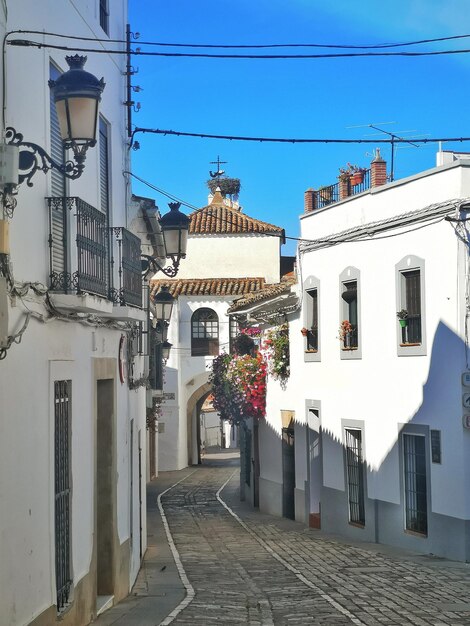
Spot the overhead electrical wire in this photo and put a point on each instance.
(158, 131)
(207, 55)
(429, 220)
(245, 46)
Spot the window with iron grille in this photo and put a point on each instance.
(204, 333)
(62, 469)
(104, 16)
(411, 300)
(234, 331)
(312, 317)
(415, 482)
(410, 290)
(349, 296)
(355, 475)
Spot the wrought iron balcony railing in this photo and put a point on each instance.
(129, 270)
(83, 268)
(86, 256)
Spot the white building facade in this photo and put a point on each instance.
(229, 254)
(377, 410)
(73, 418)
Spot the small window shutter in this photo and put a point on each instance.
(58, 187)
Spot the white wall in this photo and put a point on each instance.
(58, 350)
(232, 256)
(382, 388)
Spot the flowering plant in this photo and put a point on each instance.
(402, 315)
(276, 350)
(239, 386)
(344, 329)
(251, 332)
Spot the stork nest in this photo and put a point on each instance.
(228, 186)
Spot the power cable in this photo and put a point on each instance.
(207, 55)
(245, 46)
(158, 131)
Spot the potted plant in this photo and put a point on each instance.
(304, 331)
(344, 330)
(402, 317)
(357, 176)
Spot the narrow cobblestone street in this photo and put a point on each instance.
(243, 567)
(262, 570)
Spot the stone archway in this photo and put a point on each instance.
(193, 408)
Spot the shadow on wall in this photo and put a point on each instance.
(416, 496)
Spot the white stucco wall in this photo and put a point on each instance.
(232, 256)
(382, 388)
(58, 350)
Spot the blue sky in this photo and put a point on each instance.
(292, 98)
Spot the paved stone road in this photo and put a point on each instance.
(270, 571)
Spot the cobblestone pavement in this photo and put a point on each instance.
(269, 571)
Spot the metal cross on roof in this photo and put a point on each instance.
(219, 172)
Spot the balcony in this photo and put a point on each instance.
(345, 188)
(99, 266)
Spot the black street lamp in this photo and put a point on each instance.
(76, 95)
(166, 347)
(175, 226)
(163, 302)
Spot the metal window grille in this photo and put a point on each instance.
(416, 508)
(411, 333)
(247, 459)
(355, 474)
(312, 332)
(234, 331)
(104, 16)
(62, 418)
(92, 252)
(204, 333)
(349, 295)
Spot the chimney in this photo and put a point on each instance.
(344, 187)
(309, 200)
(378, 170)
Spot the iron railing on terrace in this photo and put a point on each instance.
(330, 194)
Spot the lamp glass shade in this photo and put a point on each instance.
(166, 347)
(77, 119)
(176, 241)
(175, 225)
(163, 303)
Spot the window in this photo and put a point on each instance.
(311, 319)
(204, 333)
(410, 290)
(414, 464)
(62, 466)
(312, 316)
(350, 314)
(234, 331)
(104, 16)
(411, 300)
(355, 475)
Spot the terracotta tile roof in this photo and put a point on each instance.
(217, 218)
(265, 293)
(209, 286)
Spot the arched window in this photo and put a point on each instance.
(204, 333)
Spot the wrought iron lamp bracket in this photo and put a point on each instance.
(33, 158)
(154, 266)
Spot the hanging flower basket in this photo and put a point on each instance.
(304, 331)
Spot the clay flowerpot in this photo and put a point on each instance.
(357, 178)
